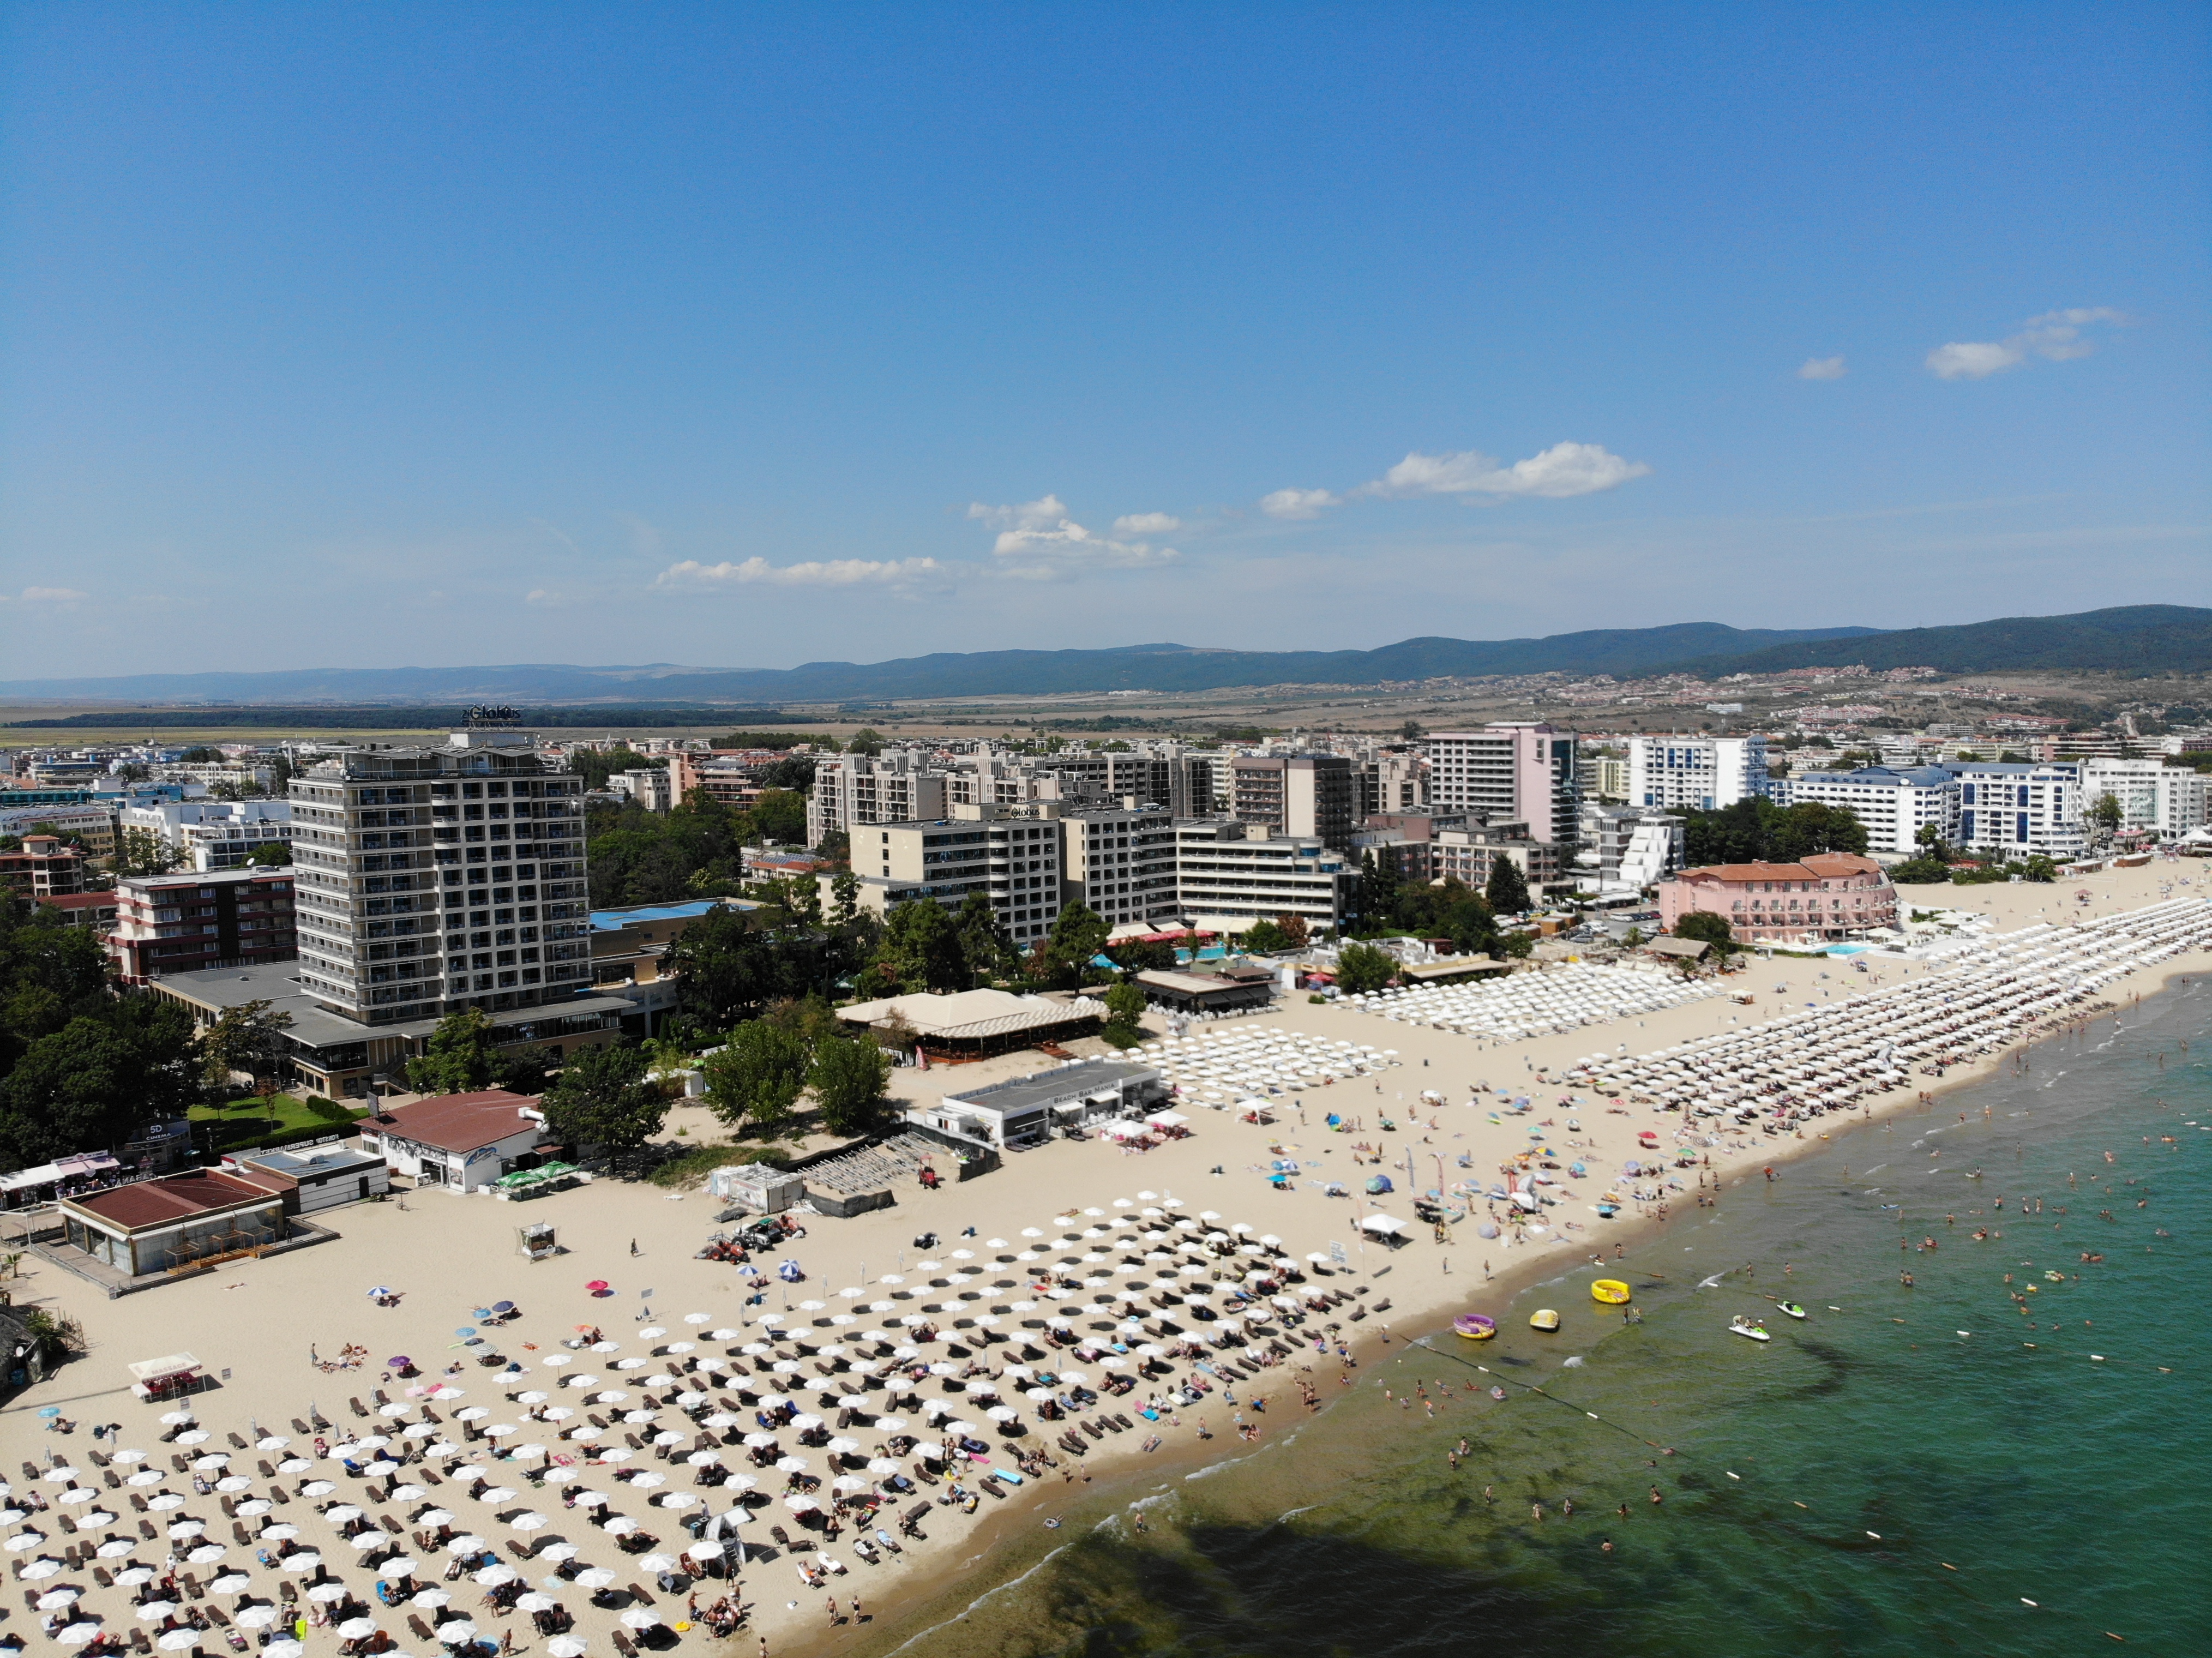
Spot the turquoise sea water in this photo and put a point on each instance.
(1900, 1472)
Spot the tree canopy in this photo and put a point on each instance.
(755, 1080)
(1759, 831)
(1362, 970)
(602, 1097)
(1062, 959)
(80, 1071)
(1706, 925)
(97, 1082)
(849, 1077)
(1507, 891)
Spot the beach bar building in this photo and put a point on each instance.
(1024, 1112)
(462, 1142)
(179, 1220)
(975, 1024)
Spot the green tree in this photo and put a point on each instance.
(1144, 955)
(986, 946)
(1929, 839)
(756, 1078)
(724, 969)
(601, 1098)
(780, 817)
(1264, 936)
(1507, 890)
(1362, 970)
(49, 974)
(850, 1080)
(269, 854)
(249, 1037)
(1919, 872)
(143, 852)
(1757, 830)
(1713, 929)
(920, 951)
(1125, 1014)
(1077, 935)
(457, 1057)
(524, 1070)
(98, 1081)
(2107, 815)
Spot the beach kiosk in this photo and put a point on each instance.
(165, 1378)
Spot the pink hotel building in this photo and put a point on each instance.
(1827, 895)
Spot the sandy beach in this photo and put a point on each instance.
(1039, 1241)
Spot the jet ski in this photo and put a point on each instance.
(1791, 1308)
(1744, 1327)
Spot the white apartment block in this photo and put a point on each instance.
(2012, 812)
(651, 786)
(899, 785)
(1228, 875)
(211, 834)
(1013, 862)
(1511, 771)
(1695, 774)
(2167, 800)
(433, 879)
(1894, 803)
(1121, 862)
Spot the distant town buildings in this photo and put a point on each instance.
(43, 867)
(205, 835)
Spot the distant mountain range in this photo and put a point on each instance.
(2140, 639)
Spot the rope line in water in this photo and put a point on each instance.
(1425, 1344)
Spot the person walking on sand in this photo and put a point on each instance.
(633, 1248)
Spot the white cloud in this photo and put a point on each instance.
(830, 572)
(1042, 529)
(1045, 512)
(2055, 336)
(544, 595)
(1147, 524)
(1297, 503)
(1562, 471)
(1822, 368)
(1974, 361)
(48, 596)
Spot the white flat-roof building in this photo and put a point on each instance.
(1696, 774)
(1024, 1111)
(2015, 810)
(211, 834)
(2167, 800)
(1894, 804)
(1230, 875)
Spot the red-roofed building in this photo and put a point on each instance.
(458, 1141)
(158, 1225)
(1827, 895)
(94, 909)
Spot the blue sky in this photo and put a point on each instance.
(735, 335)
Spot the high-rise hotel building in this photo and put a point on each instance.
(434, 879)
